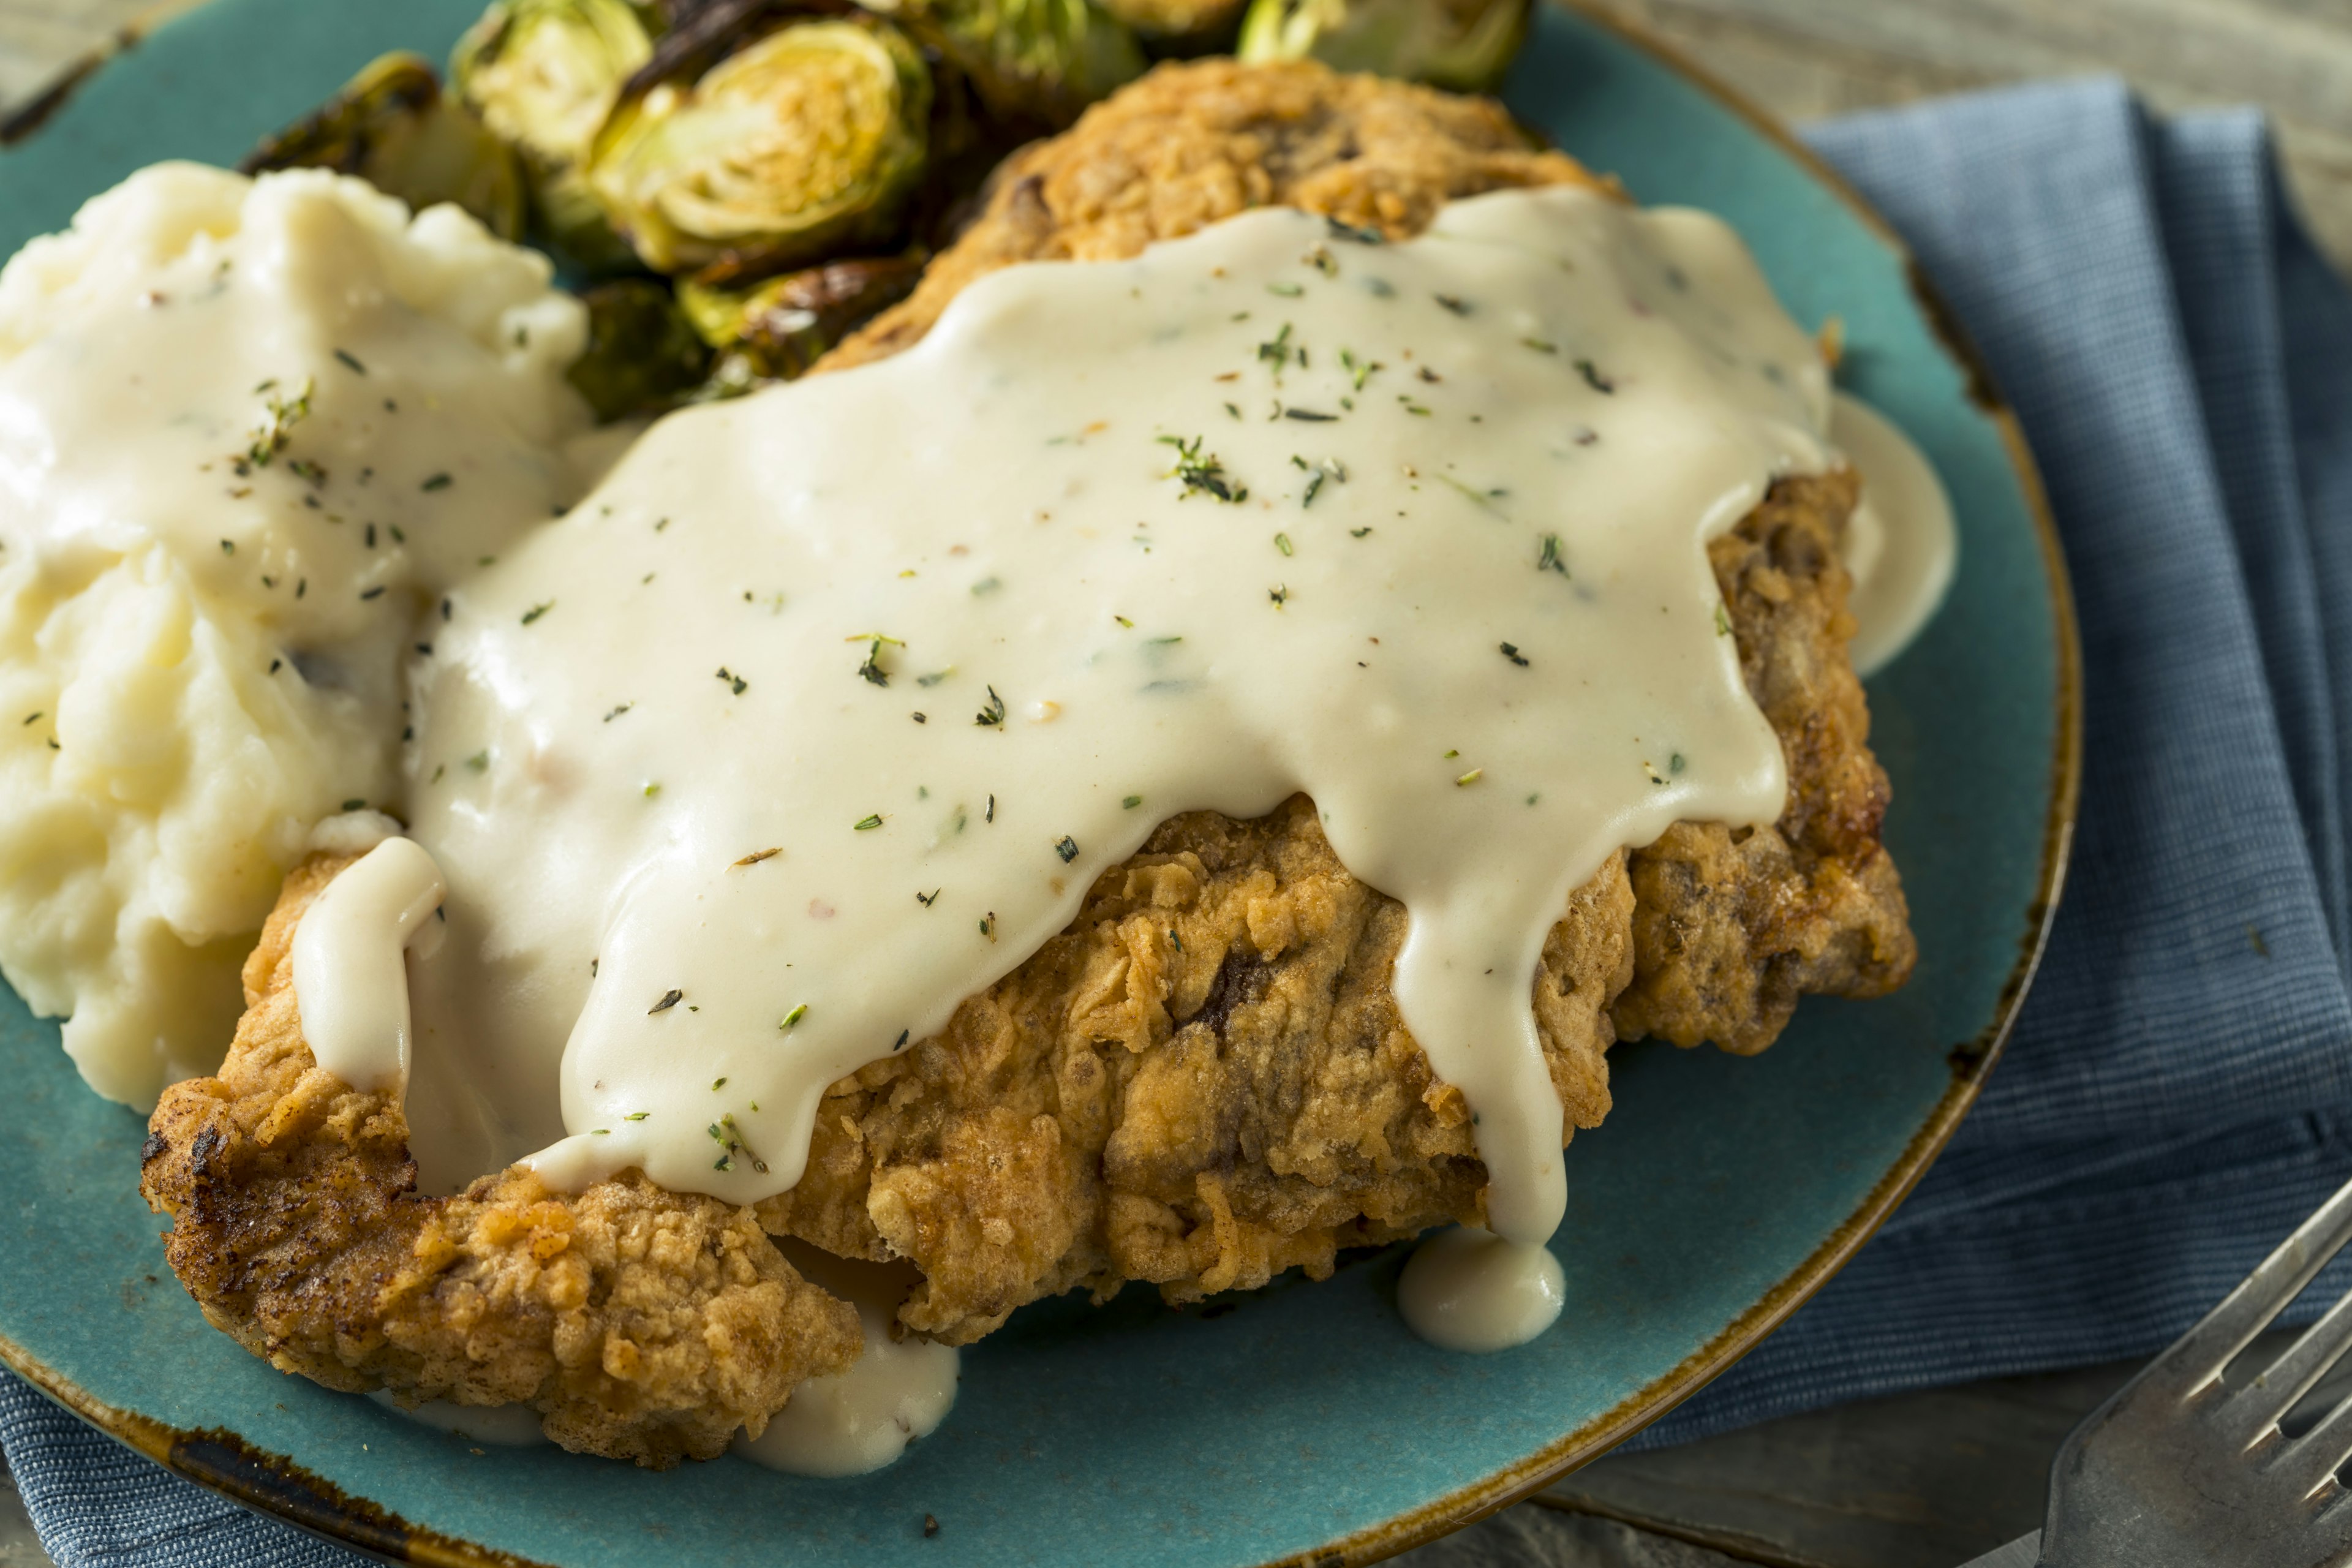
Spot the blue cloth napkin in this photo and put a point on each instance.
(2178, 1092)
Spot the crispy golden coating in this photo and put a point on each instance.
(1189, 144)
(1205, 1080)
(1731, 926)
(1202, 1081)
(641, 1324)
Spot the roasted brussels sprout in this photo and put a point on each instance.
(780, 328)
(542, 75)
(643, 354)
(1179, 26)
(391, 126)
(1465, 45)
(1042, 60)
(806, 140)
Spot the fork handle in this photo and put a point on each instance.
(2025, 1551)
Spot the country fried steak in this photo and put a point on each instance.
(1202, 1081)
(642, 1324)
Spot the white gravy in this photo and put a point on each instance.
(1470, 1290)
(351, 962)
(497, 1426)
(1901, 545)
(898, 1389)
(826, 710)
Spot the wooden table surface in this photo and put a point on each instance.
(1921, 1480)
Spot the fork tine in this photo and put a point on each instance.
(2308, 1462)
(2258, 1406)
(2197, 1356)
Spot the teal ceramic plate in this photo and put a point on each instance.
(1302, 1423)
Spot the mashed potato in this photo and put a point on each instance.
(249, 432)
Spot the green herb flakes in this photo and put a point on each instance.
(1202, 472)
(870, 669)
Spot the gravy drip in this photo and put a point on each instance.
(896, 1393)
(351, 962)
(1901, 545)
(1469, 1290)
(826, 710)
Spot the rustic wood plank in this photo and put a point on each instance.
(1914, 1480)
(1918, 1480)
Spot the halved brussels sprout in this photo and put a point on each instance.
(643, 354)
(1041, 60)
(1463, 45)
(391, 126)
(778, 328)
(806, 140)
(542, 75)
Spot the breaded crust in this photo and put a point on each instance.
(1265, 1105)
(641, 1324)
(1203, 1080)
(1189, 144)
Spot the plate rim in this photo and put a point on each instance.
(276, 1486)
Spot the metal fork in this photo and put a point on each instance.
(2177, 1471)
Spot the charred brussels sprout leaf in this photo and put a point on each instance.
(803, 142)
(391, 126)
(779, 329)
(542, 75)
(1465, 45)
(1041, 60)
(642, 356)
